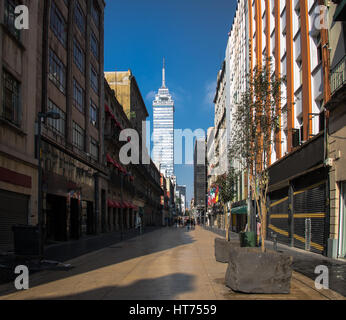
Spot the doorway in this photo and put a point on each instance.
(342, 231)
(56, 218)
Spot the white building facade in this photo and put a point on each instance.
(163, 130)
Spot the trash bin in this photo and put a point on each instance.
(26, 240)
(247, 239)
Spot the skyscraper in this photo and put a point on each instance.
(163, 132)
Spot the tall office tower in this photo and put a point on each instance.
(163, 132)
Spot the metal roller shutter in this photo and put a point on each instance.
(13, 210)
(310, 218)
(279, 220)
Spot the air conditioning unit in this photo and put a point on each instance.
(329, 162)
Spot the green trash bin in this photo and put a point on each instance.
(247, 239)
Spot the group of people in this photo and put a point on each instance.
(189, 223)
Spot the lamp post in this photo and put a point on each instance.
(41, 117)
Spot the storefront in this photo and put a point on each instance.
(18, 198)
(70, 188)
(14, 210)
(299, 211)
(239, 215)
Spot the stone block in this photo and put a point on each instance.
(222, 248)
(252, 271)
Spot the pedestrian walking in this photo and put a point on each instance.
(139, 224)
(259, 237)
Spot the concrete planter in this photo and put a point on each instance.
(222, 249)
(251, 271)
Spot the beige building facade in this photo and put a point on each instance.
(336, 147)
(18, 164)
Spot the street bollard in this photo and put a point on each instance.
(275, 241)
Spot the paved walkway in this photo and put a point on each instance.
(64, 251)
(167, 263)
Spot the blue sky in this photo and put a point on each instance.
(191, 35)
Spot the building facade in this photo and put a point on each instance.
(306, 184)
(18, 163)
(200, 178)
(124, 205)
(148, 191)
(70, 54)
(163, 129)
(336, 138)
(231, 83)
(56, 67)
(290, 34)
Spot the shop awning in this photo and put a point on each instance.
(239, 210)
(110, 203)
(126, 205)
(109, 159)
(116, 204)
(340, 12)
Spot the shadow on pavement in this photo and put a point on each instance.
(146, 244)
(163, 288)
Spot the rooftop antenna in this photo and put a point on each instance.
(163, 74)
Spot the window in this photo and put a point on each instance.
(93, 114)
(78, 56)
(94, 79)
(58, 24)
(319, 48)
(57, 71)
(78, 96)
(10, 106)
(78, 137)
(300, 67)
(56, 125)
(10, 17)
(79, 18)
(94, 45)
(94, 149)
(95, 14)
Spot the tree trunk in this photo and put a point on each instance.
(228, 219)
(263, 223)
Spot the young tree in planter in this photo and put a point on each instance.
(227, 190)
(257, 122)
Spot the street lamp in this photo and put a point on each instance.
(41, 116)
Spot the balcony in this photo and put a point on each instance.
(338, 75)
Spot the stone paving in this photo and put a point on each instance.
(165, 264)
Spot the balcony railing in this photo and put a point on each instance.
(338, 75)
